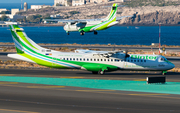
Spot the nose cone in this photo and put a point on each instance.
(65, 27)
(171, 66)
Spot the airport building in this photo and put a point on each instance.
(78, 2)
(35, 7)
(59, 2)
(25, 6)
(13, 16)
(3, 10)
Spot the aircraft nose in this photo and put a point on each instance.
(171, 65)
(65, 27)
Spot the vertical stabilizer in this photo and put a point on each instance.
(21, 40)
(112, 14)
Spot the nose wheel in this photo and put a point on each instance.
(164, 72)
(67, 32)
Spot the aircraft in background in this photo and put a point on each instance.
(98, 62)
(91, 25)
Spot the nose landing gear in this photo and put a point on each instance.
(164, 72)
(67, 32)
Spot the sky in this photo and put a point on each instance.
(28, 1)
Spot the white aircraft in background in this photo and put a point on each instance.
(91, 25)
(94, 61)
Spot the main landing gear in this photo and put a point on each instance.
(82, 32)
(100, 72)
(94, 72)
(95, 32)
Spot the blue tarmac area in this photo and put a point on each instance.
(123, 85)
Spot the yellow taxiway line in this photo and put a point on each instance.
(18, 111)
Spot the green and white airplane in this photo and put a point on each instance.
(94, 61)
(91, 25)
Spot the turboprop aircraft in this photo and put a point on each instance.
(98, 62)
(91, 25)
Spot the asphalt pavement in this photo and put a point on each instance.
(16, 97)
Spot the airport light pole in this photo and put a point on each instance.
(159, 37)
(21, 4)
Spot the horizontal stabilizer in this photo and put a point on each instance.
(121, 17)
(18, 29)
(19, 57)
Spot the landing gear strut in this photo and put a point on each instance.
(95, 32)
(82, 32)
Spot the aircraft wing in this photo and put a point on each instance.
(121, 17)
(71, 21)
(100, 53)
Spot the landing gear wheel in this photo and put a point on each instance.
(101, 72)
(163, 73)
(94, 72)
(82, 33)
(68, 33)
(95, 32)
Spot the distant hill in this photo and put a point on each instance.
(143, 15)
(140, 3)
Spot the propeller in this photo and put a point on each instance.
(117, 6)
(126, 54)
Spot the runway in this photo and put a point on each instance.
(16, 97)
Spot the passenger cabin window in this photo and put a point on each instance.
(108, 60)
(73, 58)
(94, 59)
(87, 59)
(101, 59)
(144, 60)
(80, 59)
(64, 59)
(104, 59)
(84, 59)
(111, 60)
(97, 59)
(131, 60)
(141, 60)
(137, 60)
(67, 59)
(70, 58)
(48, 50)
(91, 59)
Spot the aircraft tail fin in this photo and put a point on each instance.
(22, 41)
(112, 14)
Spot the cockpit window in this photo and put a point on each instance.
(163, 59)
